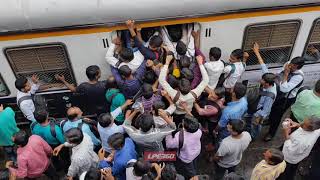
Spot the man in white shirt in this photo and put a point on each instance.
(126, 57)
(25, 90)
(214, 67)
(299, 143)
(231, 148)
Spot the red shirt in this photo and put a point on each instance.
(33, 159)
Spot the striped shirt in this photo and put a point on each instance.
(147, 103)
(265, 171)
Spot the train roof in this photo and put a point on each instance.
(25, 15)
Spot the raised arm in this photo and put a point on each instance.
(205, 78)
(110, 53)
(61, 78)
(162, 78)
(256, 50)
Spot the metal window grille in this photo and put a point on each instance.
(313, 43)
(42, 60)
(276, 41)
(4, 91)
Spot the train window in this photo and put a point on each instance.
(276, 41)
(311, 52)
(4, 91)
(45, 60)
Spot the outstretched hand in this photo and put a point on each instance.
(256, 48)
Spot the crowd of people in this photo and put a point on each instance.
(164, 95)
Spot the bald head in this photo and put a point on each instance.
(73, 113)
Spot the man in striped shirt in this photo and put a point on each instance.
(271, 167)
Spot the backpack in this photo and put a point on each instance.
(254, 96)
(223, 78)
(38, 100)
(91, 123)
(52, 127)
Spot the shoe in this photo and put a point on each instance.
(268, 138)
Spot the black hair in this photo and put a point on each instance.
(126, 54)
(111, 83)
(21, 138)
(20, 83)
(184, 86)
(277, 156)
(190, 124)
(175, 32)
(269, 78)
(41, 115)
(141, 167)
(116, 141)
(185, 62)
(237, 53)
(74, 135)
(155, 41)
(220, 92)
(92, 72)
(169, 172)
(150, 77)
(93, 174)
(298, 61)
(237, 125)
(240, 90)
(214, 53)
(158, 105)
(317, 86)
(146, 33)
(146, 122)
(125, 71)
(181, 48)
(187, 73)
(104, 119)
(173, 81)
(147, 91)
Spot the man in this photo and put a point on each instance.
(33, 157)
(234, 110)
(160, 105)
(185, 93)
(75, 120)
(8, 129)
(231, 148)
(271, 167)
(83, 157)
(126, 56)
(290, 80)
(92, 91)
(307, 104)
(149, 137)
(25, 92)
(107, 127)
(191, 146)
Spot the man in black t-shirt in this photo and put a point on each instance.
(92, 92)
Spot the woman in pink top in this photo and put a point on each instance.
(32, 157)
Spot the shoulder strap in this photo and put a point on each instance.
(268, 94)
(176, 97)
(298, 85)
(181, 140)
(194, 95)
(80, 125)
(23, 99)
(131, 164)
(63, 122)
(53, 129)
(33, 124)
(233, 69)
(113, 96)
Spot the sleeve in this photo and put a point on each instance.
(34, 88)
(87, 130)
(117, 169)
(74, 168)
(191, 47)
(117, 76)
(167, 41)
(264, 68)
(227, 69)
(141, 70)
(110, 56)
(288, 86)
(165, 131)
(208, 111)
(223, 150)
(197, 76)
(103, 164)
(171, 109)
(223, 120)
(199, 53)
(172, 142)
(46, 147)
(10, 111)
(59, 133)
(205, 80)
(80, 88)
(115, 113)
(128, 128)
(25, 107)
(166, 86)
(266, 108)
(146, 52)
(21, 171)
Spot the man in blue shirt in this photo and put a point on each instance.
(74, 119)
(234, 110)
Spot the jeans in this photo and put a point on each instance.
(10, 153)
(255, 130)
(290, 172)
